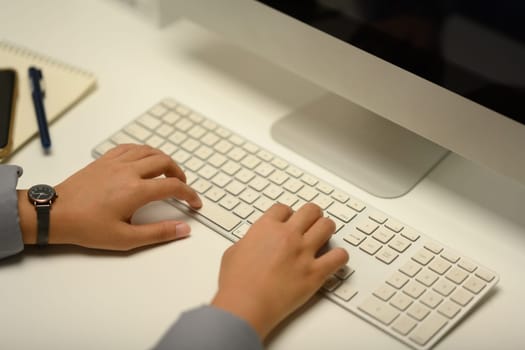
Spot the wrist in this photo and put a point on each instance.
(250, 310)
(27, 215)
(29, 220)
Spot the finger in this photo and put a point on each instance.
(305, 217)
(331, 261)
(163, 188)
(279, 212)
(154, 233)
(158, 164)
(319, 233)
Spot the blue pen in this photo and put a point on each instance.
(38, 94)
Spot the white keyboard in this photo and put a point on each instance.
(405, 283)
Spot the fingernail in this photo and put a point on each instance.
(182, 230)
(198, 203)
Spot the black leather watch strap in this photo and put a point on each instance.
(42, 215)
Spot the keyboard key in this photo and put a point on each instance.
(280, 163)
(259, 183)
(243, 210)
(467, 265)
(399, 244)
(457, 275)
(170, 118)
(240, 231)
(324, 187)
(121, 138)
(450, 256)
(475, 284)
(439, 265)
(354, 238)
(250, 161)
(307, 193)
(394, 225)
(410, 234)
(383, 235)
(433, 247)
(428, 329)
(418, 311)
(293, 185)
(158, 110)
(387, 255)
(331, 283)
(210, 125)
(377, 216)
(265, 155)
(397, 280)
(376, 308)
(431, 299)
(449, 309)
(403, 325)
(401, 301)
(229, 202)
(461, 296)
(427, 277)
(367, 226)
(342, 212)
(385, 292)
(345, 291)
(370, 246)
(215, 194)
(340, 196)
(294, 171)
(235, 187)
(218, 215)
(423, 256)
(322, 201)
(414, 289)
(344, 272)
(444, 287)
(104, 147)
(485, 275)
(410, 268)
(357, 205)
(287, 199)
(155, 141)
(278, 177)
(309, 180)
(177, 137)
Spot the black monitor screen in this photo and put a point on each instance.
(475, 48)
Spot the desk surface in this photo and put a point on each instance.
(67, 297)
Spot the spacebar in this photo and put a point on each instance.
(218, 215)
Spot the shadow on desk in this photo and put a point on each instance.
(482, 188)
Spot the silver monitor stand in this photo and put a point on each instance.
(359, 146)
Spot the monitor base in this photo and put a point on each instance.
(359, 146)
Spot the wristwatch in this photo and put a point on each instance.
(42, 197)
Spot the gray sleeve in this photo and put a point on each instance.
(210, 328)
(10, 234)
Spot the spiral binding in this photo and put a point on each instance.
(38, 57)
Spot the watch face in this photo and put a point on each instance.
(41, 193)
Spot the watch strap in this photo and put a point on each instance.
(42, 215)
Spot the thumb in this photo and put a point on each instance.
(159, 232)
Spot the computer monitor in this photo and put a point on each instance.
(407, 81)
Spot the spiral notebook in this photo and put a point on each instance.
(65, 85)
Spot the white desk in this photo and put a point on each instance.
(65, 297)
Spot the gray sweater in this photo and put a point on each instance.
(202, 328)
